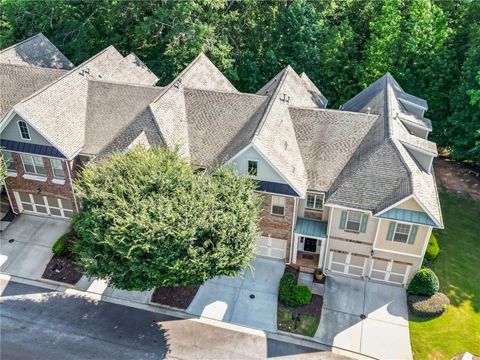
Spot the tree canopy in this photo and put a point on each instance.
(430, 46)
(148, 218)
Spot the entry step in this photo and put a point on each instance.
(306, 270)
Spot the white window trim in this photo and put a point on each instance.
(58, 181)
(255, 161)
(315, 201)
(359, 222)
(20, 131)
(284, 205)
(36, 174)
(34, 177)
(53, 170)
(408, 235)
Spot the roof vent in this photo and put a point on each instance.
(369, 109)
(340, 107)
(178, 83)
(285, 145)
(285, 98)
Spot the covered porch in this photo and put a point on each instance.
(309, 243)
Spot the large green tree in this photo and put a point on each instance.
(149, 219)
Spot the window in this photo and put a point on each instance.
(22, 126)
(402, 232)
(314, 201)
(57, 169)
(278, 205)
(33, 164)
(252, 167)
(354, 219)
(9, 160)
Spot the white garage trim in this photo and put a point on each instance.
(271, 247)
(43, 205)
(388, 274)
(347, 267)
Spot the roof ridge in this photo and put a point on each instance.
(225, 92)
(69, 72)
(24, 41)
(332, 110)
(124, 84)
(35, 67)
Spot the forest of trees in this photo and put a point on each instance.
(432, 47)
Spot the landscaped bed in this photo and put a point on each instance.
(60, 267)
(179, 297)
(302, 319)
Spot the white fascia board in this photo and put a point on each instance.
(416, 148)
(394, 205)
(427, 212)
(347, 208)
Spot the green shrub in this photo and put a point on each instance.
(425, 283)
(291, 294)
(428, 306)
(432, 249)
(60, 248)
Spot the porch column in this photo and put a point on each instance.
(295, 249)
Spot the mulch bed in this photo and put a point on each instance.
(313, 309)
(67, 274)
(178, 297)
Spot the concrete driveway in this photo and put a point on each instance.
(383, 334)
(31, 249)
(228, 298)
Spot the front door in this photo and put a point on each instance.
(310, 245)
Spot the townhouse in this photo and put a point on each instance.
(350, 191)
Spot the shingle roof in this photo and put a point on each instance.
(140, 71)
(219, 123)
(18, 82)
(58, 111)
(327, 140)
(368, 181)
(35, 51)
(111, 107)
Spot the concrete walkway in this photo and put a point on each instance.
(229, 298)
(383, 334)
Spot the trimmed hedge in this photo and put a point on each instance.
(432, 249)
(291, 294)
(426, 306)
(61, 246)
(425, 283)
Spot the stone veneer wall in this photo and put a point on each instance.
(47, 188)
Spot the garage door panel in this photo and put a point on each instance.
(270, 247)
(44, 205)
(389, 271)
(337, 267)
(347, 263)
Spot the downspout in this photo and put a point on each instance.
(294, 222)
(71, 185)
(328, 239)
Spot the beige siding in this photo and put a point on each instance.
(335, 230)
(414, 249)
(410, 204)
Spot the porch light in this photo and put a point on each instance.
(371, 252)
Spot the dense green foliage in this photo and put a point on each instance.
(432, 249)
(291, 294)
(149, 219)
(425, 283)
(432, 47)
(60, 247)
(428, 306)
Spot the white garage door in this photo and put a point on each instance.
(389, 271)
(271, 247)
(43, 205)
(347, 263)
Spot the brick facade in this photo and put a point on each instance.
(313, 214)
(48, 188)
(276, 226)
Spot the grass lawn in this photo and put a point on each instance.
(307, 326)
(458, 268)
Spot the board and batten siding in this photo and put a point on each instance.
(11, 132)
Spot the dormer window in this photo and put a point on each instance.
(314, 201)
(22, 126)
(252, 167)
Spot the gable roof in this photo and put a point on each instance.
(58, 111)
(18, 82)
(111, 107)
(35, 51)
(368, 181)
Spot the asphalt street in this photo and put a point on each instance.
(37, 323)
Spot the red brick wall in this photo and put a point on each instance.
(276, 226)
(312, 214)
(20, 184)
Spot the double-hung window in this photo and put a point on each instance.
(34, 165)
(314, 201)
(278, 205)
(402, 232)
(57, 169)
(9, 161)
(252, 167)
(354, 219)
(23, 127)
